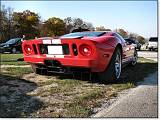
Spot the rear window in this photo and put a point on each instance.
(153, 39)
(82, 34)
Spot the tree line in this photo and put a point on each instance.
(28, 23)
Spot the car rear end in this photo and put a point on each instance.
(63, 55)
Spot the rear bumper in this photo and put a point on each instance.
(91, 64)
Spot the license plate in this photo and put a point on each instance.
(57, 50)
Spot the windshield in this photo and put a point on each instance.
(154, 39)
(12, 41)
(82, 34)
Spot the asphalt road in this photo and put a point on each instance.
(141, 102)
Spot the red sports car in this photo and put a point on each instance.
(90, 51)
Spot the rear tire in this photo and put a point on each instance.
(113, 71)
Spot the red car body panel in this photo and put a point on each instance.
(102, 49)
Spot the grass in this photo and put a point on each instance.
(77, 111)
(132, 75)
(143, 60)
(64, 86)
(78, 98)
(14, 63)
(96, 93)
(120, 87)
(12, 59)
(82, 105)
(16, 71)
(136, 74)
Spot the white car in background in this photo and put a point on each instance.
(153, 44)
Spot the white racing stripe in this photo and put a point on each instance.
(56, 41)
(46, 41)
(55, 56)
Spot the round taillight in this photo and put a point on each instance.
(85, 50)
(28, 49)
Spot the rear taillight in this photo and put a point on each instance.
(85, 50)
(28, 49)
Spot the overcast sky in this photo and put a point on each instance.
(134, 16)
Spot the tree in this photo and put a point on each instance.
(26, 23)
(54, 26)
(141, 39)
(68, 24)
(89, 26)
(135, 36)
(102, 28)
(6, 23)
(122, 32)
(3, 22)
(77, 23)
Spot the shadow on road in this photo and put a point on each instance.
(14, 101)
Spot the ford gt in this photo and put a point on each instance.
(97, 52)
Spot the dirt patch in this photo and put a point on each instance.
(53, 97)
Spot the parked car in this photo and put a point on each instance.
(101, 53)
(135, 42)
(153, 44)
(12, 46)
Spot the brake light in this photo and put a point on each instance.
(85, 50)
(28, 49)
